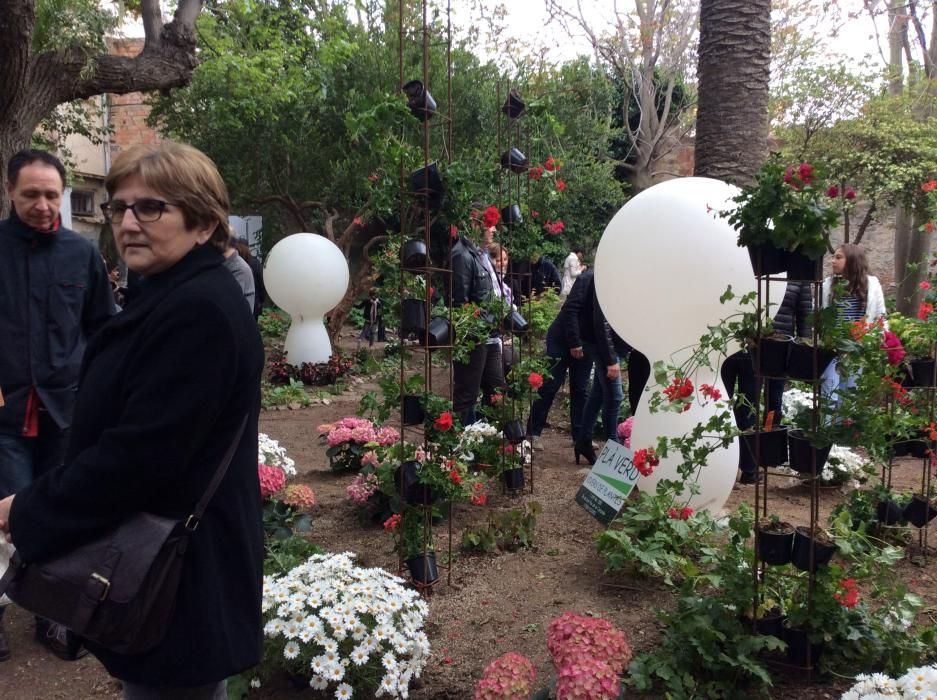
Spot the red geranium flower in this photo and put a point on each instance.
(453, 232)
(929, 186)
(535, 173)
(680, 388)
(891, 343)
(925, 285)
(925, 310)
(850, 194)
(645, 460)
(929, 227)
(444, 422)
(560, 185)
(832, 192)
(710, 392)
(551, 164)
(455, 477)
(390, 525)
(491, 217)
(806, 172)
(357, 221)
(535, 380)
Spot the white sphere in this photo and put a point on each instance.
(306, 275)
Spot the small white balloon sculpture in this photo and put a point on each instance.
(307, 276)
(663, 262)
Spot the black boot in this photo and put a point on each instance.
(4, 644)
(584, 448)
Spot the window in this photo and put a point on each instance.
(82, 203)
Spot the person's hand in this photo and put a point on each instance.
(583, 267)
(613, 371)
(5, 505)
(577, 353)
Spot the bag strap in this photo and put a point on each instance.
(192, 521)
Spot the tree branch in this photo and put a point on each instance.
(152, 18)
(18, 22)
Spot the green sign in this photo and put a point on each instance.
(608, 484)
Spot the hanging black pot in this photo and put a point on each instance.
(888, 512)
(768, 625)
(414, 253)
(774, 542)
(919, 511)
(767, 448)
(512, 215)
(515, 323)
(913, 448)
(802, 453)
(514, 160)
(800, 650)
(770, 356)
(439, 332)
(407, 479)
(513, 479)
(801, 267)
(922, 371)
(411, 410)
(422, 568)
(426, 185)
(767, 259)
(800, 554)
(421, 103)
(901, 448)
(514, 106)
(513, 431)
(800, 361)
(412, 317)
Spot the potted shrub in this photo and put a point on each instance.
(775, 540)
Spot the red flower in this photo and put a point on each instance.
(891, 343)
(806, 172)
(925, 285)
(710, 392)
(491, 217)
(535, 380)
(673, 513)
(356, 221)
(444, 422)
(850, 194)
(551, 164)
(686, 513)
(477, 312)
(899, 392)
(555, 227)
(453, 231)
(931, 431)
(789, 174)
(496, 399)
(859, 329)
(645, 460)
(535, 173)
(508, 449)
(560, 185)
(848, 595)
(390, 525)
(929, 186)
(479, 499)
(455, 477)
(680, 513)
(929, 227)
(680, 388)
(373, 177)
(534, 214)
(924, 310)
(832, 192)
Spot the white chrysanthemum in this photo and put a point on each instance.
(319, 665)
(359, 655)
(319, 683)
(291, 650)
(389, 685)
(335, 672)
(292, 629)
(331, 646)
(389, 662)
(343, 691)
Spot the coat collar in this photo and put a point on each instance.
(20, 229)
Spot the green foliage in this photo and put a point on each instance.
(284, 394)
(80, 24)
(281, 521)
(286, 553)
(273, 323)
(506, 531)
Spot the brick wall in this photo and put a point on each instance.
(128, 112)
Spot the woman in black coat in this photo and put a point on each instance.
(164, 388)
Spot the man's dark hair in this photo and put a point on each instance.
(579, 249)
(27, 157)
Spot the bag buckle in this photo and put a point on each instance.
(191, 523)
(107, 584)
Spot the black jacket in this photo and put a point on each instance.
(163, 389)
(54, 294)
(526, 277)
(470, 279)
(795, 310)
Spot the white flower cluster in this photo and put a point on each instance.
(339, 622)
(794, 402)
(917, 684)
(474, 435)
(844, 466)
(270, 453)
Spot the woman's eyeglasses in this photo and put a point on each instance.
(145, 210)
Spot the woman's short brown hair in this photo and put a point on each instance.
(182, 174)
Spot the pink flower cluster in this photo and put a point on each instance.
(571, 636)
(298, 496)
(362, 488)
(508, 677)
(624, 430)
(359, 430)
(272, 480)
(587, 678)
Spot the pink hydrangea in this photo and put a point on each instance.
(272, 480)
(509, 677)
(298, 496)
(587, 678)
(357, 430)
(624, 430)
(362, 488)
(571, 635)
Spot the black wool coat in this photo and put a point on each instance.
(163, 389)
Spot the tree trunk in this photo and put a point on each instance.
(734, 69)
(908, 279)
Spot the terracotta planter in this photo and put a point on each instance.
(800, 362)
(421, 103)
(801, 267)
(770, 356)
(919, 511)
(768, 449)
(411, 410)
(774, 547)
(922, 372)
(423, 569)
(513, 479)
(800, 554)
(767, 259)
(802, 453)
(514, 106)
(414, 253)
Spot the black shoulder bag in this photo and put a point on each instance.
(119, 590)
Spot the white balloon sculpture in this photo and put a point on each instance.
(663, 262)
(307, 276)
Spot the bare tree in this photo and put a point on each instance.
(33, 83)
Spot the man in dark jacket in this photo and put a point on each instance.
(54, 293)
(533, 276)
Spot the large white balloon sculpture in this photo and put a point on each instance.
(306, 275)
(663, 262)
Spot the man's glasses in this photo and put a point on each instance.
(145, 210)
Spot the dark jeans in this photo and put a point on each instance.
(23, 459)
(212, 691)
(482, 371)
(605, 396)
(738, 375)
(561, 362)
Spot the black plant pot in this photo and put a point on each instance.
(902, 448)
(514, 160)
(439, 332)
(512, 215)
(414, 254)
(775, 547)
(888, 512)
(801, 451)
(912, 448)
(407, 480)
(514, 106)
(800, 554)
(412, 317)
(423, 568)
(767, 448)
(770, 356)
(411, 411)
(421, 103)
(767, 259)
(922, 372)
(513, 479)
(426, 185)
(800, 362)
(800, 650)
(919, 511)
(768, 625)
(514, 431)
(516, 323)
(801, 267)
